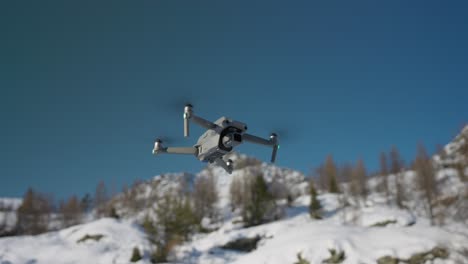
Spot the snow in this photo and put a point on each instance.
(116, 245)
(8, 208)
(361, 245)
(283, 240)
(10, 203)
(364, 231)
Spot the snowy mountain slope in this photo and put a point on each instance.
(365, 234)
(362, 243)
(455, 152)
(8, 208)
(116, 245)
(293, 180)
(147, 192)
(281, 240)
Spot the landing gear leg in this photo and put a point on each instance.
(227, 165)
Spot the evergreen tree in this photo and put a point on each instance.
(176, 220)
(136, 255)
(261, 202)
(314, 206)
(86, 203)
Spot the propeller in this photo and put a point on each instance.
(165, 140)
(177, 104)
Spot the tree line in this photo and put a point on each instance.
(393, 181)
(39, 212)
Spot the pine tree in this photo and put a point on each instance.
(176, 220)
(86, 203)
(260, 204)
(314, 206)
(136, 255)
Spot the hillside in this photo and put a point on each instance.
(8, 208)
(373, 230)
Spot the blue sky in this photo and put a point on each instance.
(86, 87)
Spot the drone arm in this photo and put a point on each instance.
(257, 140)
(158, 149)
(182, 150)
(202, 122)
(188, 114)
(273, 141)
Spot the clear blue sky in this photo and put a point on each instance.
(86, 86)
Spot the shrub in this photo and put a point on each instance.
(136, 256)
(261, 204)
(301, 260)
(335, 257)
(314, 206)
(384, 223)
(90, 237)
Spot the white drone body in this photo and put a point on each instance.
(220, 138)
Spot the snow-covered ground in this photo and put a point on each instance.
(363, 233)
(351, 231)
(8, 207)
(115, 246)
(361, 242)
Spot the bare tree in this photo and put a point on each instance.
(426, 179)
(396, 167)
(205, 196)
(331, 174)
(358, 184)
(71, 211)
(345, 172)
(100, 199)
(384, 175)
(319, 174)
(34, 213)
(86, 203)
(346, 176)
(237, 192)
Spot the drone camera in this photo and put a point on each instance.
(232, 140)
(237, 137)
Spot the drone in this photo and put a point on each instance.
(220, 138)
